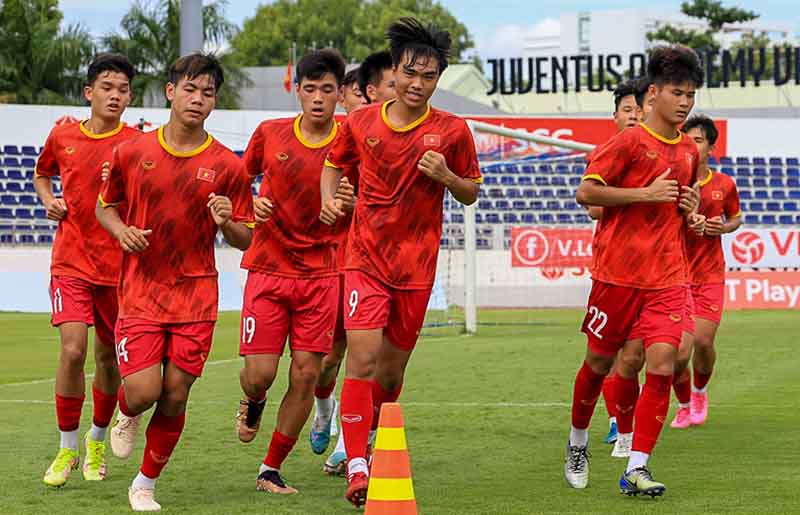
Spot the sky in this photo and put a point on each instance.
(497, 26)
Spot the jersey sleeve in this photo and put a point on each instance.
(254, 155)
(112, 192)
(343, 153)
(732, 207)
(610, 161)
(465, 159)
(47, 165)
(241, 196)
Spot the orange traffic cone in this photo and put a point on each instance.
(390, 489)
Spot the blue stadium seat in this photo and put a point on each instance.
(562, 169)
(558, 181)
(790, 206)
(773, 206)
(2, 187)
(536, 205)
(775, 182)
(45, 239)
(725, 160)
(793, 172)
(6, 238)
(27, 162)
(778, 195)
(524, 180)
(745, 194)
(26, 239)
(11, 150)
(761, 194)
(496, 193)
(528, 168)
(547, 194)
(485, 205)
(792, 161)
(759, 171)
(571, 205)
(510, 168)
(6, 214)
(743, 172)
(29, 151)
(502, 205)
(508, 180)
(478, 218)
(565, 193)
(578, 169)
(565, 218)
(529, 193)
(575, 181)
(29, 188)
(546, 218)
(492, 218)
(755, 207)
(545, 169)
(28, 200)
(759, 161)
(528, 218)
(776, 172)
(490, 180)
(482, 244)
(727, 170)
(768, 220)
(510, 218)
(519, 205)
(742, 160)
(553, 205)
(759, 182)
(40, 213)
(582, 219)
(10, 161)
(793, 182)
(23, 213)
(3, 175)
(776, 161)
(457, 218)
(514, 193)
(14, 187)
(742, 182)
(785, 219)
(751, 219)
(9, 200)
(541, 181)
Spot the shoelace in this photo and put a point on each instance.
(96, 453)
(124, 426)
(578, 456)
(644, 473)
(62, 462)
(274, 478)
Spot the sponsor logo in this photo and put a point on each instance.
(589, 402)
(661, 419)
(159, 458)
(652, 154)
(69, 150)
(748, 248)
(431, 140)
(206, 174)
(531, 247)
(373, 141)
(716, 195)
(552, 274)
(714, 307)
(281, 156)
(675, 318)
(351, 419)
(148, 165)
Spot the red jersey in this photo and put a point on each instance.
(293, 242)
(642, 245)
(343, 225)
(174, 280)
(718, 197)
(397, 221)
(82, 248)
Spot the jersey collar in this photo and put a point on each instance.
(86, 132)
(177, 153)
(707, 178)
(413, 125)
(661, 138)
(299, 134)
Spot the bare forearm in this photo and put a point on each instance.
(595, 212)
(237, 235)
(591, 194)
(44, 189)
(732, 224)
(108, 217)
(329, 182)
(464, 190)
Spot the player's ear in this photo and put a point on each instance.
(169, 91)
(88, 93)
(371, 89)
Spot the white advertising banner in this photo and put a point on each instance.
(762, 248)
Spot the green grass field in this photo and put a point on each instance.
(486, 422)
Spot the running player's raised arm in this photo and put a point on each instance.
(607, 168)
(462, 174)
(131, 239)
(343, 155)
(47, 167)
(233, 212)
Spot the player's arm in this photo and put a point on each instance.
(733, 215)
(594, 191)
(131, 239)
(595, 212)
(434, 165)
(46, 168)
(332, 208)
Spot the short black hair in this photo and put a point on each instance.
(705, 123)
(642, 85)
(317, 63)
(675, 64)
(624, 89)
(371, 70)
(410, 35)
(109, 62)
(194, 65)
(351, 77)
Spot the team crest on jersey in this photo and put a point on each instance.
(652, 154)
(372, 141)
(675, 318)
(716, 195)
(281, 156)
(431, 140)
(69, 150)
(206, 174)
(148, 165)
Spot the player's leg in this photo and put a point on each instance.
(324, 400)
(609, 389)
(630, 362)
(72, 314)
(106, 382)
(682, 383)
(703, 361)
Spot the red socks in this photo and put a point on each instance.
(626, 393)
(683, 387)
(356, 416)
(701, 380)
(608, 394)
(651, 412)
(587, 390)
(379, 396)
(324, 392)
(104, 405)
(123, 406)
(162, 433)
(68, 412)
(279, 447)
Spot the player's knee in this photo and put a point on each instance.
(304, 379)
(704, 342)
(173, 400)
(598, 363)
(105, 359)
(140, 400)
(73, 354)
(361, 365)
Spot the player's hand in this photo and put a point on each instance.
(690, 198)
(262, 207)
(105, 171)
(56, 209)
(663, 189)
(697, 223)
(347, 194)
(714, 226)
(331, 211)
(221, 208)
(133, 239)
(434, 166)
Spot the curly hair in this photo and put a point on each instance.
(675, 64)
(410, 35)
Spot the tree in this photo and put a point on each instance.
(355, 27)
(713, 13)
(39, 62)
(150, 37)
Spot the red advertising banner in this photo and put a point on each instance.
(762, 290)
(560, 248)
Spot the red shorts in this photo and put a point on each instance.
(339, 333)
(77, 300)
(372, 304)
(276, 307)
(709, 301)
(144, 343)
(619, 313)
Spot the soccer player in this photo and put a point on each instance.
(85, 263)
(719, 203)
(376, 78)
(181, 187)
(350, 97)
(292, 285)
(642, 178)
(377, 81)
(407, 154)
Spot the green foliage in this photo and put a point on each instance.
(150, 37)
(39, 61)
(355, 27)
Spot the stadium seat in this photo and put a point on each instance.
(25, 239)
(9, 200)
(524, 180)
(755, 207)
(6, 238)
(28, 200)
(485, 205)
(40, 213)
(792, 161)
(759, 161)
(785, 219)
(778, 195)
(510, 168)
(553, 205)
(29, 188)
(15, 174)
(529, 193)
(528, 168)
(23, 213)
(14, 187)
(712, 160)
(571, 205)
(508, 180)
(575, 181)
(759, 171)
(541, 181)
(547, 194)
(759, 182)
(742, 182)
(743, 172)
(565, 193)
(490, 179)
(776, 172)
(457, 218)
(482, 244)
(519, 205)
(582, 219)
(761, 194)
(11, 150)
(727, 170)
(27, 162)
(3, 175)
(502, 205)
(775, 182)
(510, 218)
(10, 161)
(545, 169)
(478, 218)
(751, 219)
(562, 169)
(790, 206)
(793, 182)
(45, 239)
(528, 218)
(725, 160)
(565, 218)
(794, 194)
(768, 220)
(514, 193)
(492, 218)
(775, 161)
(793, 172)
(29, 151)
(773, 206)
(6, 214)
(745, 194)
(578, 169)
(496, 193)
(558, 181)
(742, 160)
(546, 218)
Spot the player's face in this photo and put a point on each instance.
(627, 114)
(385, 90)
(109, 94)
(673, 102)
(415, 83)
(318, 97)
(351, 98)
(704, 148)
(192, 100)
